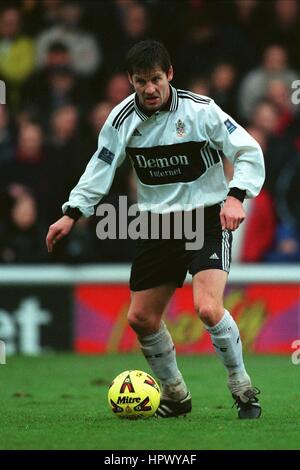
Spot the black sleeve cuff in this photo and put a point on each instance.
(73, 212)
(239, 194)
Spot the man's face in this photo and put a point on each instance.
(152, 87)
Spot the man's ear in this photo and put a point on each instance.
(129, 78)
(170, 73)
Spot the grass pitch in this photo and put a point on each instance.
(60, 402)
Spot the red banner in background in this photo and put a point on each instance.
(268, 317)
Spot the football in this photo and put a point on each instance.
(134, 394)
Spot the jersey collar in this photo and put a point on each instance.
(171, 105)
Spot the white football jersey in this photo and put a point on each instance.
(175, 154)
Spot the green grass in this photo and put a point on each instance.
(60, 402)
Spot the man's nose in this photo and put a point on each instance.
(150, 89)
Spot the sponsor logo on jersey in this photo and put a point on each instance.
(162, 162)
(136, 133)
(230, 126)
(106, 155)
(175, 163)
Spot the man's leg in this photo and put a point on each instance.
(144, 316)
(208, 290)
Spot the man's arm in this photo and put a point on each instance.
(58, 230)
(97, 179)
(92, 186)
(232, 214)
(247, 158)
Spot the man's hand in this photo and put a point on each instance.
(58, 230)
(232, 214)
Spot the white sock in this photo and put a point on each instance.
(159, 352)
(226, 339)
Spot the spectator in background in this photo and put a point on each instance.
(287, 246)
(96, 120)
(50, 12)
(279, 94)
(265, 117)
(62, 88)
(28, 168)
(31, 11)
(245, 12)
(85, 51)
(117, 89)
(279, 148)
(223, 87)
(36, 87)
(283, 27)
(255, 237)
(282, 211)
(68, 152)
(249, 18)
(133, 24)
(39, 14)
(57, 55)
(135, 21)
(259, 230)
(207, 43)
(22, 233)
(255, 84)
(293, 131)
(16, 55)
(105, 19)
(200, 85)
(6, 138)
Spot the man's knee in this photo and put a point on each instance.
(136, 319)
(210, 312)
(142, 322)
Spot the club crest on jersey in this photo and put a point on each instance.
(180, 128)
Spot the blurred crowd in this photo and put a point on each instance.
(62, 62)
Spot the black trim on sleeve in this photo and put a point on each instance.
(238, 193)
(73, 212)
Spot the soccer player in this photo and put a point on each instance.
(174, 139)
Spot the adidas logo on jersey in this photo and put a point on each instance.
(214, 256)
(136, 133)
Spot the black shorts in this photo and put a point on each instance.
(160, 261)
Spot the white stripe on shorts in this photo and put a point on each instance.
(225, 250)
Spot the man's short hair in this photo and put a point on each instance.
(145, 55)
